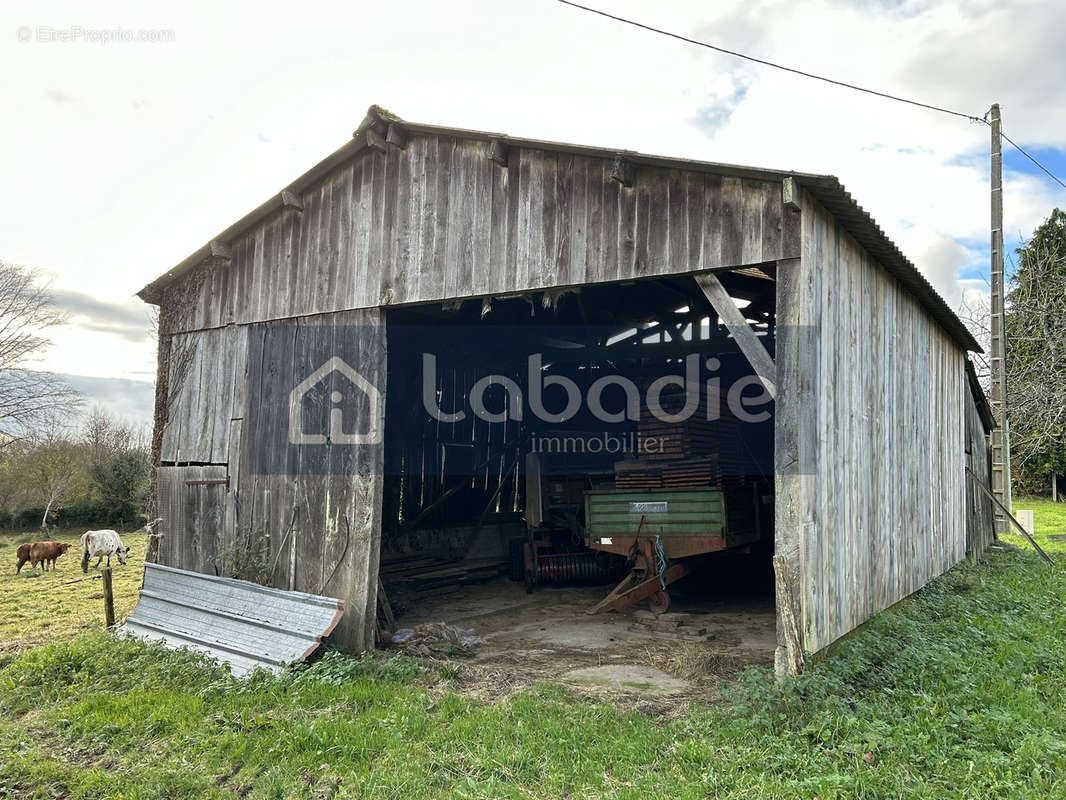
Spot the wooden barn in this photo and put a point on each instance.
(418, 254)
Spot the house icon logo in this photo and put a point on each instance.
(335, 433)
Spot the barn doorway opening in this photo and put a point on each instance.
(598, 448)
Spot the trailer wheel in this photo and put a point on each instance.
(659, 602)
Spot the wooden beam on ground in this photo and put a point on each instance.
(744, 336)
(1011, 519)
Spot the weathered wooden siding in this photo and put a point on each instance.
(275, 505)
(980, 520)
(192, 512)
(439, 219)
(206, 393)
(871, 488)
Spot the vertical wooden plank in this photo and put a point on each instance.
(557, 269)
(754, 198)
(459, 277)
(500, 242)
(437, 210)
(714, 218)
(230, 520)
(772, 223)
(578, 181)
(730, 214)
(324, 276)
(595, 221)
(611, 261)
(344, 294)
(653, 222)
(515, 242)
(695, 197)
(301, 290)
(676, 257)
(372, 275)
(482, 211)
(408, 192)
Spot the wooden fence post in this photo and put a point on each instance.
(109, 599)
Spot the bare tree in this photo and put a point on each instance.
(27, 397)
(976, 313)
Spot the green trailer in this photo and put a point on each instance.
(658, 529)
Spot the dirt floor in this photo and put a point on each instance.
(547, 636)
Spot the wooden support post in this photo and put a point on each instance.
(109, 599)
(792, 657)
(744, 336)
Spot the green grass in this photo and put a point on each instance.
(956, 693)
(1049, 519)
(39, 607)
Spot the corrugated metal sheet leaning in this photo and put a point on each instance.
(243, 624)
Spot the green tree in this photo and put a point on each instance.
(1035, 330)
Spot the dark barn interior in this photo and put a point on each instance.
(490, 465)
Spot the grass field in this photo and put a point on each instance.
(1049, 520)
(955, 693)
(39, 607)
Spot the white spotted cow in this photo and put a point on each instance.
(100, 544)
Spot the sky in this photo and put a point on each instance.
(136, 132)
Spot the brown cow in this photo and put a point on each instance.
(46, 553)
(23, 556)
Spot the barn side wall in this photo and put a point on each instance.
(980, 520)
(439, 219)
(871, 488)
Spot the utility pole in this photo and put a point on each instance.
(1001, 435)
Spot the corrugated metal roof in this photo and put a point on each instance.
(827, 189)
(243, 624)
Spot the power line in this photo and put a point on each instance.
(811, 75)
(766, 63)
(1048, 172)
